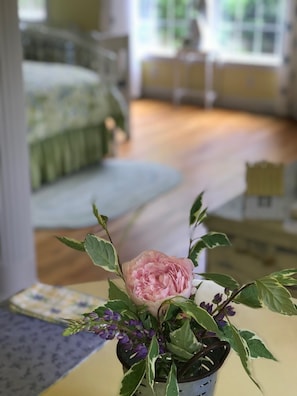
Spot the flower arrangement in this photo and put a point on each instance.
(168, 318)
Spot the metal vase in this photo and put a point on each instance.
(193, 382)
(201, 387)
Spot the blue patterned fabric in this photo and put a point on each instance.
(53, 303)
(34, 354)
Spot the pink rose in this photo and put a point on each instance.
(153, 277)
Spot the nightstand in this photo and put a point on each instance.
(258, 247)
(186, 60)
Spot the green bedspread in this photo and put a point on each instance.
(66, 107)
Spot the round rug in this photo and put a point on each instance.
(116, 186)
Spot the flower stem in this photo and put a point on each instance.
(235, 293)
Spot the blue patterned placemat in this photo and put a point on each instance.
(34, 354)
(53, 303)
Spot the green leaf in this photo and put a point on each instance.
(147, 319)
(116, 293)
(72, 243)
(102, 253)
(181, 353)
(200, 315)
(151, 358)
(121, 307)
(184, 337)
(197, 214)
(215, 239)
(171, 384)
(240, 346)
(222, 280)
(275, 296)
(256, 345)
(249, 296)
(195, 251)
(208, 241)
(285, 277)
(183, 342)
(133, 378)
(102, 220)
(170, 313)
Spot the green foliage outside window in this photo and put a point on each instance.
(32, 10)
(31, 3)
(258, 26)
(242, 26)
(173, 17)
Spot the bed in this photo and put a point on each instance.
(70, 91)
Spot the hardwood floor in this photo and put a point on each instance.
(209, 147)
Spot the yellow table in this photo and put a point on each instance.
(100, 374)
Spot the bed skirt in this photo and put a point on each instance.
(68, 152)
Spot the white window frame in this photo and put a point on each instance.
(255, 56)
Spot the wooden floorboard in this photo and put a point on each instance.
(209, 147)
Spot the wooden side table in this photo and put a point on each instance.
(259, 247)
(185, 60)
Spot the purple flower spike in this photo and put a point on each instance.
(139, 334)
(136, 323)
(219, 318)
(95, 329)
(123, 338)
(102, 333)
(112, 327)
(230, 311)
(108, 315)
(93, 315)
(207, 306)
(141, 351)
(116, 317)
(217, 298)
(149, 333)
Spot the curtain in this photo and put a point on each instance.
(287, 101)
(118, 16)
(135, 52)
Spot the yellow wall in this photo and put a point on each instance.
(157, 73)
(246, 82)
(83, 14)
(253, 82)
(162, 72)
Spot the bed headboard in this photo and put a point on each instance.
(50, 44)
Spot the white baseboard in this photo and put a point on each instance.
(251, 105)
(237, 103)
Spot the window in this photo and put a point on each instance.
(164, 24)
(250, 26)
(32, 10)
(264, 201)
(235, 27)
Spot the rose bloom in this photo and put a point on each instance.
(152, 277)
